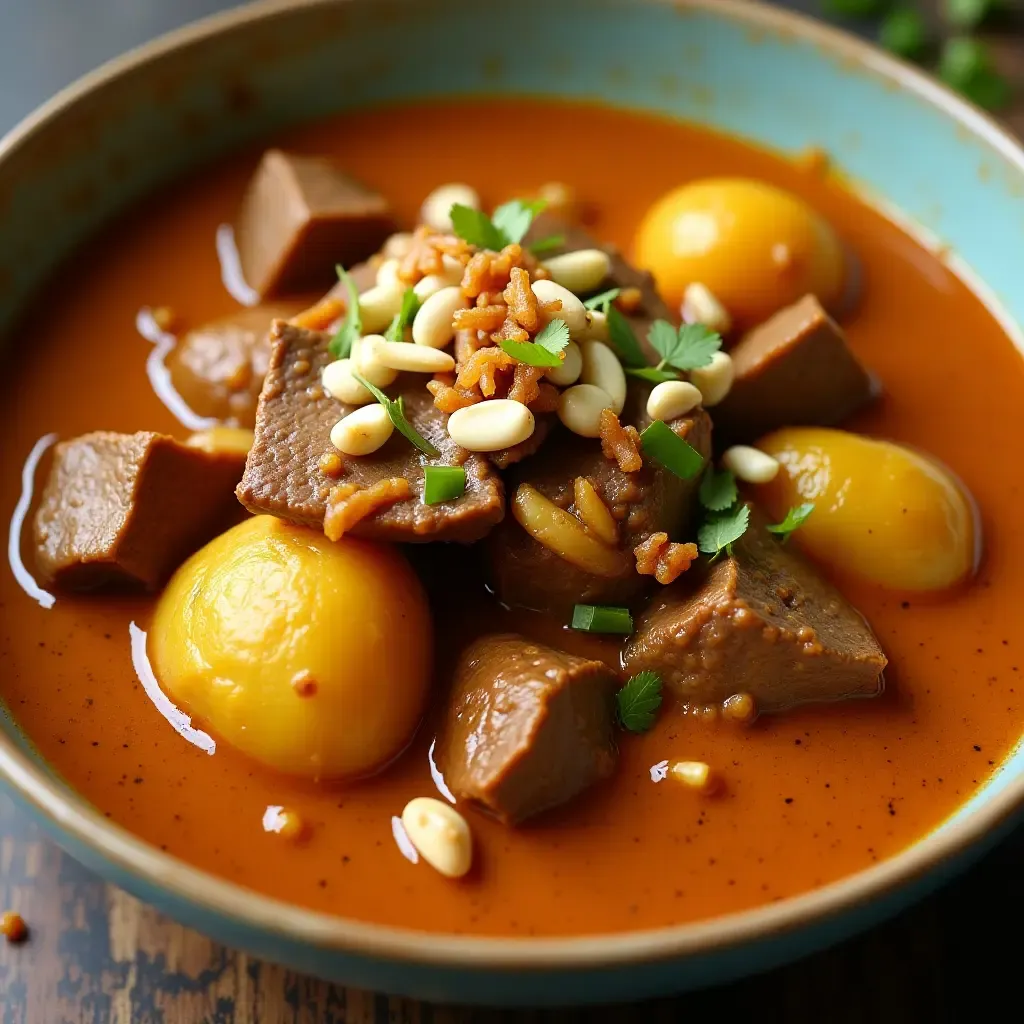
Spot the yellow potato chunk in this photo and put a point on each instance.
(309, 656)
(882, 511)
(757, 247)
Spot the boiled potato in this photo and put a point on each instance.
(882, 511)
(755, 246)
(310, 656)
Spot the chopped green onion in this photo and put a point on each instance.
(668, 449)
(340, 346)
(601, 618)
(443, 483)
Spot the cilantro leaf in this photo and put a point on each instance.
(721, 531)
(718, 490)
(396, 413)
(623, 340)
(546, 245)
(690, 348)
(402, 319)
(603, 300)
(639, 700)
(475, 227)
(340, 346)
(795, 518)
(651, 374)
(544, 350)
(513, 219)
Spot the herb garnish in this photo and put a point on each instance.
(718, 490)
(443, 483)
(904, 32)
(546, 245)
(340, 346)
(544, 350)
(691, 347)
(639, 700)
(966, 65)
(668, 449)
(601, 618)
(404, 317)
(795, 518)
(507, 226)
(721, 531)
(603, 300)
(396, 413)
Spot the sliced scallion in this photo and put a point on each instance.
(602, 618)
(667, 448)
(443, 483)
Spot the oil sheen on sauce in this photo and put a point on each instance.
(811, 795)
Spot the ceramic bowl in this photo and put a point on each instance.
(774, 78)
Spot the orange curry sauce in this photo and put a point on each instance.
(811, 795)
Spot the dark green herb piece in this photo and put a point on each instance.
(857, 8)
(475, 227)
(443, 483)
(651, 374)
(396, 413)
(660, 442)
(544, 350)
(546, 245)
(795, 518)
(690, 347)
(721, 531)
(904, 32)
(639, 700)
(718, 490)
(966, 65)
(623, 340)
(968, 13)
(404, 317)
(602, 300)
(340, 346)
(602, 618)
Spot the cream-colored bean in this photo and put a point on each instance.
(491, 426)
(671, 399)
(387, 274)
(440, 834)
(602, 369)
(593, 512)
(398, 355)
(339, 383)
(432, 325)
(569, 371)
(436, 211)
(701, 306)
(597, 326)
(580, 408)
(451, 274)
(222, 440)
(378, 306)
(750, 465)
(696, 774)
(362, 432)
(398, 245)
(366, 365)
(581, 271)
(573, 312)
(715, 379)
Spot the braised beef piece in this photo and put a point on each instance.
(129, 508)
(283, 475)
(526, 727)
(300, 216)
(761, 621)
(796, 369)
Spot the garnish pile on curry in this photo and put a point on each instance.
(540, 541)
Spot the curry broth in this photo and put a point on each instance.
(811, 795)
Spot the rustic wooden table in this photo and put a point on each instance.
(98, 956)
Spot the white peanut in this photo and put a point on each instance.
(597, 326)
(601, 367)
(436, 211)
(378, 306)
(398, 245)
(580, 408)
(452, 272)
(701, 306)
(568, 372)
(580, 271)
(387, 274)
(398, 355)
(491, 426)
(365, 363)
(432, 325)
(339, 383)
(573, 312)
(750, 465)
(671, 399)
(715, 379)
(440, 834)
(362, 432)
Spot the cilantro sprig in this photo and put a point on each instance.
(721, 530)
(718, 491)
(544, 350)
(404, 317)
(508, 224)
(340, 346)
(638, 701)
(395, 408)
(691, 347)
(795, 518)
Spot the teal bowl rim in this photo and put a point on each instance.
(74, 816)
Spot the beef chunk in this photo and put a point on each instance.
(283, 475)
(300, 217)
(218, 369)
(760, 622)
(526, 727)
(129, 508)
(796, 369)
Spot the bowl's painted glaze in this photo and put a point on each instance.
(772, 78)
